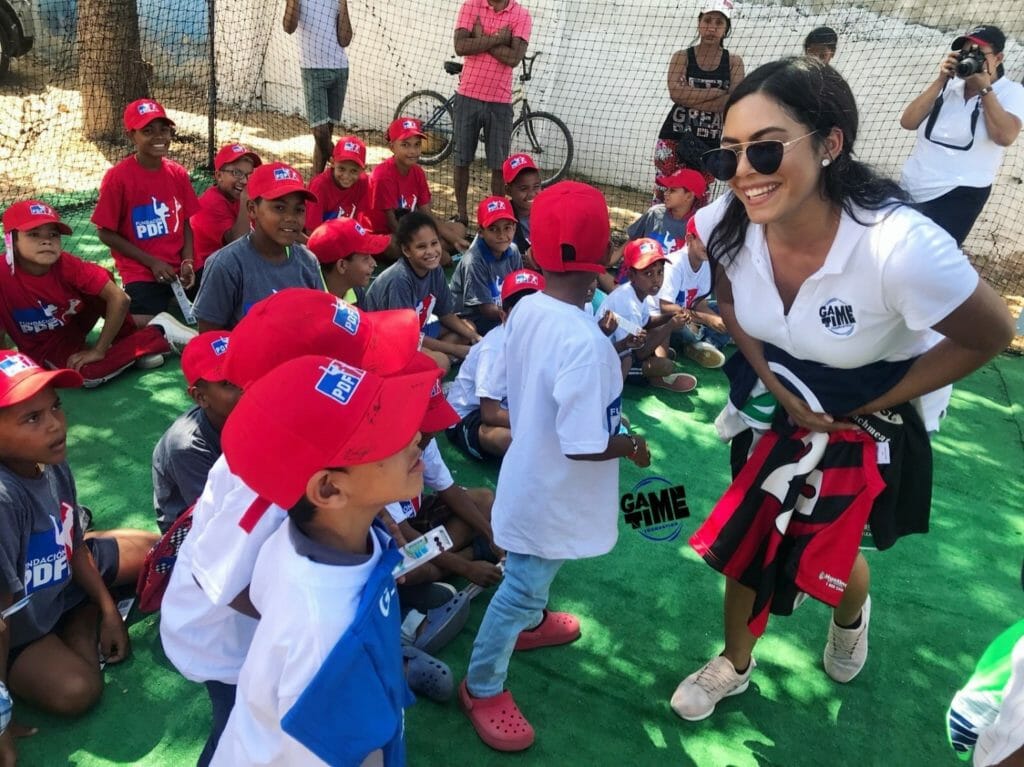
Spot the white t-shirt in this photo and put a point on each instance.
(203, 637)
(317, 32)
(305, 607)
(565, 396)
(436, 477)
(482, 374)
(932, 170)
(682, 284)
(627, 306)
(1006, 734)
(880, 290)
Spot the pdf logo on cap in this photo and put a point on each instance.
(346, 317)
(410, 124)
(15, 364)
(359, 229)
(340, 381)
(517, 162)
(285, 174)
(647, 248)
(219, 345)
(148, 107)
(40, 210)
(525, 278)
(351, 146)
(495, 205)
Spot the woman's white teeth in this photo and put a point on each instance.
(761, 191)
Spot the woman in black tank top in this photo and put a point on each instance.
(700, 80)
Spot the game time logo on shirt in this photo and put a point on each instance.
(837, 317)
(653, 507)
(340, 381)
(151, 220)
(48, 559)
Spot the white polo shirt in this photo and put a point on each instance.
(883, 285)
(932, 170)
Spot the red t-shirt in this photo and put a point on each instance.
(38, 311)
(335, 202)
(149, 208)
(217, 214)
(390, 190)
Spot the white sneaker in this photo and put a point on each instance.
(705, 354)
(92, 383)
(176, 333)
(846, 650)
(149, 361)
(696, 696)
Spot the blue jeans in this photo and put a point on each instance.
(686, 337)
(518, 604)
(222, 700)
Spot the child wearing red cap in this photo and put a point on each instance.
(398, 185)
(223, 214)
(143, 213)
(343, 188)
(346, 251)
(493, 255)
(54, 577)
(522, 185)
(564, 392)
(479, 392)
(323, 678)
(269, 258)
(50, 301)
(188, 449)
(637, 335)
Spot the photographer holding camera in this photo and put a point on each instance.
(964, 122)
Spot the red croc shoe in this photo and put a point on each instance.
(554, 629)
(497, 720)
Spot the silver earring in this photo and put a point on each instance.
(825, 162)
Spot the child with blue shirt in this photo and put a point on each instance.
(476, 283)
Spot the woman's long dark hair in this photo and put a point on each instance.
(817, 96)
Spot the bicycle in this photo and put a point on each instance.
(541, 135)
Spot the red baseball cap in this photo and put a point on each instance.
(519, 281)
(22, 379)
(276, 179)
(440, 415)
(28, 214)
(350, 148)
(231, 152)
(642, 253)
(297, 321)
(493, 209)
(341, 238)
(685, 178)
(405, 127)
(515, 165)
(203, 357)
(569, 228)
(326, 414)
(142, 112)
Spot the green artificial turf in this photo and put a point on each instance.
(651, 611)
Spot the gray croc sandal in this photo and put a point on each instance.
(427, 676)
(443, 624)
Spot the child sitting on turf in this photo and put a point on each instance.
(564, 390)
(346, 250)
(323, 678)
(399, 186)
(143, 213)
(343, 188)
(686, 291)
(267, 259)
(476, 283)
(50, 301)
(479, 392)
(223, 214)
(416, 281)
(64, 619)
(637, 335)
(188, 449)
(522, 184)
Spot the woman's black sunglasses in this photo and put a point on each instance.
(763, 156)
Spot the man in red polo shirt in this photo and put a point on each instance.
(492, 35)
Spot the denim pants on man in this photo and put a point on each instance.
(517, 604)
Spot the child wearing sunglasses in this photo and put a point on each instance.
(831, 286)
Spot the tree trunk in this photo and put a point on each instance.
(111, 72)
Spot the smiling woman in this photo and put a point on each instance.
(855, 313)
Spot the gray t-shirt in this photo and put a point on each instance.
(39, 531)
(399, 287)
(237, 276)
(657, 224)
(182, 459)
(478, 277)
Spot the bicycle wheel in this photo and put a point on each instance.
(547, 140)
(438, 118)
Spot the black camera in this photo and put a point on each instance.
(970, 63)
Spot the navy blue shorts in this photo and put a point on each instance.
(465, 435)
